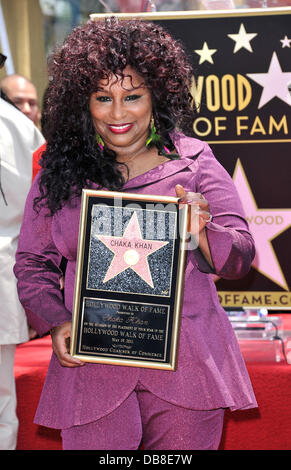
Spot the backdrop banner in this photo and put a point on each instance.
(242, 64)
(242, 71)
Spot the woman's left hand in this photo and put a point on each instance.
(199, 215)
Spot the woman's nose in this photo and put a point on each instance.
(118, 110)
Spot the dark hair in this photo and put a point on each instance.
(72, 159)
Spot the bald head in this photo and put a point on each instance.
(23, 94)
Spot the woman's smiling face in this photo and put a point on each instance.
(121, 110)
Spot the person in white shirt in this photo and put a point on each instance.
(19, 138)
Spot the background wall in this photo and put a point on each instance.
(24, 25)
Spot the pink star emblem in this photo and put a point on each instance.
(131, 251)
(265, 225)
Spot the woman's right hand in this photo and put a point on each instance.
(60, 341)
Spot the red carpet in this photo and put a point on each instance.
(266, 428)
(31, 364)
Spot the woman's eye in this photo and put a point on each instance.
(102, 99)
(132, 97)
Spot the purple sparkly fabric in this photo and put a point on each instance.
(211, 372)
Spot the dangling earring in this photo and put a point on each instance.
(154, 137)
(100, 141)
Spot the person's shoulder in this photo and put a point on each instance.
(190, 147)
(20, 125)
(11, 113)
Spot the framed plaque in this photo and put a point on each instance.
(129, 279)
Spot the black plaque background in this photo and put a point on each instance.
(107, 296)
(101, 256)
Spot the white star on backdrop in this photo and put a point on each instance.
(285, 42)
(205, 53)
(242, 39)
(274, 82)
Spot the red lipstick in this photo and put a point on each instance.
(120, 128)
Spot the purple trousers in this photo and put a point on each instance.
(159, 424)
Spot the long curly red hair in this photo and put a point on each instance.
(90, 53)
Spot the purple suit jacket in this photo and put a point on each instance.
(211, 372)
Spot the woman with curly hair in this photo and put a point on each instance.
(119, 116)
